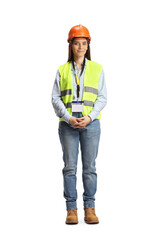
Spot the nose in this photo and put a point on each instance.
(80, 46)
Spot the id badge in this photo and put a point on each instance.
(77, 106)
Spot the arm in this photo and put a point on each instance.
(101, 98)
(57, 102)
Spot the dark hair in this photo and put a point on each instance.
(71, 55)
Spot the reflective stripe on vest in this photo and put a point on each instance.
(66, 92)
(90, 90)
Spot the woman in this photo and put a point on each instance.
(78, 96)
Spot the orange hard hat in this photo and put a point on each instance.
(78, 31)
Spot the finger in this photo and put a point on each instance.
(79, 119)
(77, 122)
(76, 126)
(81, 125)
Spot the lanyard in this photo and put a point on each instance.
(78, 87)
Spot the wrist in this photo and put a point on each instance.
(89, 118)
(70, 119)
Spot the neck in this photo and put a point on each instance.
(79, 61)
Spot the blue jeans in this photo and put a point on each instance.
(89, 142)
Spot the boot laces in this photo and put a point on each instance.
(72, 211)
(91, 210)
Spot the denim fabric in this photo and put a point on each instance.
(89, 142)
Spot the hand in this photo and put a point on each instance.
(82, 122)
(73, 121)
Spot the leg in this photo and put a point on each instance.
(69, 139)
(89, 140)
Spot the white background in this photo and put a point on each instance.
(33, 43)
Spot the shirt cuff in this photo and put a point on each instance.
(66, 117)
(91, 117)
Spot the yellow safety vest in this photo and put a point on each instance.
(90, 86)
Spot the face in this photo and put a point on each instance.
(79, 47)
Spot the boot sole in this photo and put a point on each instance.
(91, 222)
(72, 222)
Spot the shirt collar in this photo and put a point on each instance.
(75, 65)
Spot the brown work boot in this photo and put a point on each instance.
(90, 215)
(72, 217)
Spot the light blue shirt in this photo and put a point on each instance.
(58, 104)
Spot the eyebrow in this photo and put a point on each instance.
(78, 41)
